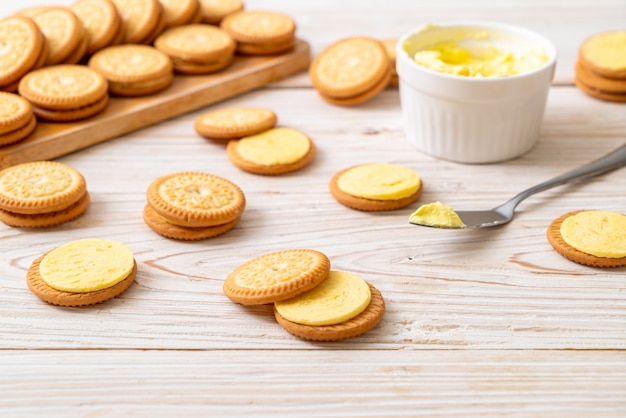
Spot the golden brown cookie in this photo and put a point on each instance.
(234, 123)
(599, 94)
(214, 11)
(185, 233)
(605, 54)
(46, 219)
(160, 26)
(351, 70)
(261, 32)
(559, 244)
(272, 152)
(64, 93)
(359, 98)
(197, 48)
(351, 328)
(63, 31)
(387, 187)
(139, 17)
(87, 256)
(195, 199)
(245, 48)
(597, 82)
(19, 133)
(15, 112)
(276, 276)
(180, 12)
(101, 20)
(22, 44)
(150, 72)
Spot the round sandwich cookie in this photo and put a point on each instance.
(276, 276)
(260, 32)
(197, 48)
(83, 272)
(63, 93)
(605, 54)
(342, 306)
(193, 205)
(41, 194)
(139, 17)
(133, 70)
(351, 71)
(390, 47)
(180, 12)
(101, 20)
(234, 123)
(20, 133)
(272, 152)
(15, 112)
(376, 187)
(596, 82)
(214, 11)
(22, 44)
(63, 31)
(593, 238)
(598, 93)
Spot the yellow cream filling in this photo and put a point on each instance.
(379, 181)
(274, 147)
(596, 232)
(436, 214)
(340, 297)
(86, 265)
(607, 50)
(472, 56)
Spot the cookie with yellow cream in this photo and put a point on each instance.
(342, 306)
(234, 123)
(272, 152)
(376, 187)
(82, 272)
(605, 54)
(590, 237)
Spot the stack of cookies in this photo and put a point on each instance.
(65, 93)
(197, 48)
(601, 66)
(310, 300)
(17, 120)
(24, 49)
(351, 71)
(193, 205)
(260, 32)
(41, 194)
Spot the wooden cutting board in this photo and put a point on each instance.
(123, 115)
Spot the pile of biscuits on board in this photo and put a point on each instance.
(65, 64)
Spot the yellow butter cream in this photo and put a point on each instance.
(86, 265)
(274, 146)
(379, 181)
(596, 232)
(340, 297)
(436, 214)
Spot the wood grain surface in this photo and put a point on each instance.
(479, 323)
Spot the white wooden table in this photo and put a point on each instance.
(479, 323)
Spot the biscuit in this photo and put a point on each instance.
(272, 152)
(22, 45)
(376, 187)
(140, 17)
(180, 12)
(15, 112)
(602, 230)
(605, 54)
(161, 226)
(262, 30)
(65, 92)
(245, 48)
(197, 48)
(351, 70)
(151, 70)
(276, 276)
(83, 272)
(235, 123)
(390, 47)
(46, 219)
(354, 327)
(19, 133)
(63, 31)
(158, 28)
(599, 94)
(101, 20)
(596, 82)
(214, 11)
(193, 205)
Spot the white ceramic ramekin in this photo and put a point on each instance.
(467, 119)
